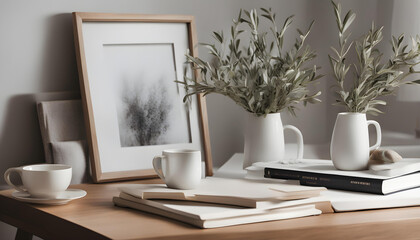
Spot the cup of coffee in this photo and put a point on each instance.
(179, 168)
(42, 180)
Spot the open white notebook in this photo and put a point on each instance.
(345, 201)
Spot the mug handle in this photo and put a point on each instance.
(158, 170)
(299, 140)
(378, 134)
(8, 181)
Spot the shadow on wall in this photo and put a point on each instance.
(226, 125)
(20, 139)
(59, 68)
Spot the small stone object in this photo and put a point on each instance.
(382, 156)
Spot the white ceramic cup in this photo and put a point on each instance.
(179, 168)
(42, 180)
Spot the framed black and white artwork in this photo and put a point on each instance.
(133, 108)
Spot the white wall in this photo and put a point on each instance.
(37, 57)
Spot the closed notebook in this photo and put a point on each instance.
(205, 215)
(313, 172)
(239, 192)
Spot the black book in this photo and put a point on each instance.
(322, 173)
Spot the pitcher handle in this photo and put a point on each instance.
(299, 140)
(378, 134)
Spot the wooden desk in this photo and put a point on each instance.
(95, 217)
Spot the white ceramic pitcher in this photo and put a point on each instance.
(350, 141)
(264, 139)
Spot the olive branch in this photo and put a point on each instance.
(372, 78)
(262, 78)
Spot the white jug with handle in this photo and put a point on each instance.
(350, 141)
(264, 140)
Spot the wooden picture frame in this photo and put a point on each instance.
(93, 34)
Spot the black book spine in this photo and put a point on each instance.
(339, 182)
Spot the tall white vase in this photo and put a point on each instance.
(350, 141)
(264, 139)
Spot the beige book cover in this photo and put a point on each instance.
(223, 210)
(204, 215)
(240, 192)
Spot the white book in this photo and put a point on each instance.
(193, 213)
(224, 211)
(240, 192)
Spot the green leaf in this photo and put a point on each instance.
(218, 36)
(348, 20)
(286, 24)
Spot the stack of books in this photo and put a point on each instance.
(379, 179)
(220, 202)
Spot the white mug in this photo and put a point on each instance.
(179, 168)
(42, 180)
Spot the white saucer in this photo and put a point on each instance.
(65, 197)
